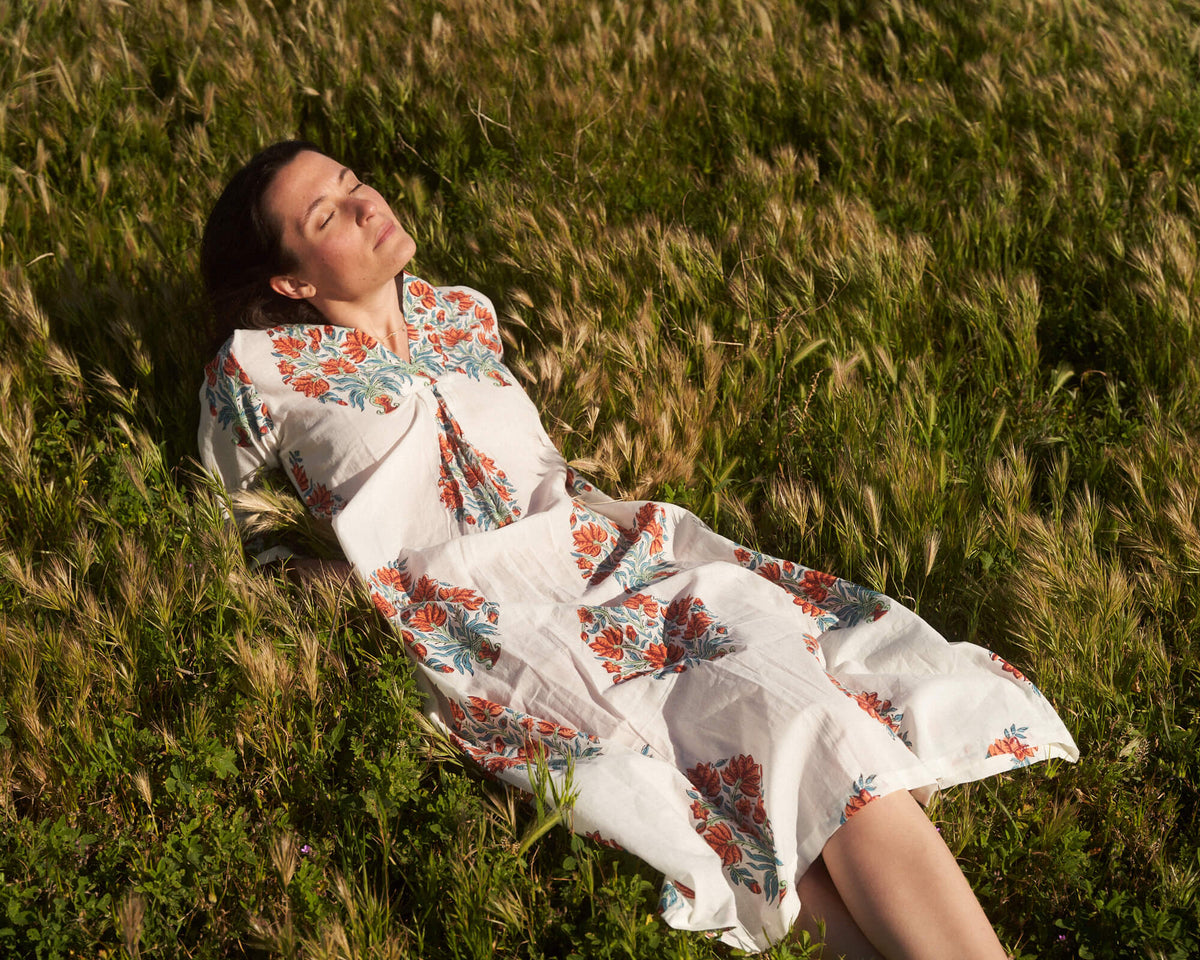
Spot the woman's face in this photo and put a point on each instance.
(343, 238)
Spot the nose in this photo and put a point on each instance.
(365, 208)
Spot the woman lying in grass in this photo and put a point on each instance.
(755, 730)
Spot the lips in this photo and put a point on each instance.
(386, 232)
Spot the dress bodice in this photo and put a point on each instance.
(340, 413)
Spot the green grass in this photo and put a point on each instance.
(906, 291)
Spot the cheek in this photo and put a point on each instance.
(337, 255)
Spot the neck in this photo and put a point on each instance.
(378, 315)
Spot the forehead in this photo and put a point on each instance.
(297, 185)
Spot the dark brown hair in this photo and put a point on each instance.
(242, 250)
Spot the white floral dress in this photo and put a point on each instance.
(718, 712)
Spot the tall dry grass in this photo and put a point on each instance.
(904, 290)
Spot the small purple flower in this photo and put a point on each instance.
(305, 850)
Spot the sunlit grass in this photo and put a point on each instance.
(907, 291)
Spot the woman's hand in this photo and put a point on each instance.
(312, 570)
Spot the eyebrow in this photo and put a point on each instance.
(318, 201)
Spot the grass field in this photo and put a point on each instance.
(905, 290)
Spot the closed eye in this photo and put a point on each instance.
(325, 222)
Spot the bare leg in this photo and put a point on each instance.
(821, 905)
(903, 887)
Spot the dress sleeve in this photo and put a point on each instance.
(474, 312)
(237, 435)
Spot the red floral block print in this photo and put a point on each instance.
(289, 346)
(313, 386)
(705, 778)
(336, 365)
(590, 539)
(472, 487)
(577, 486)
(1008, 667)
(447, 627)
(861, 793)
(642, 637)
(685, 617)
(882, 710)
(463, 301)
(426, 617)
(423, 294)
(483, 710)
(1016, 674)
(321, 503)
(742, 773)
(594, 835)
(833, 602)
(736, 781)
(594, 537)
(728, 810)
(816, 585)
(499, 738)
(1012, 742)
(887, 713)
(721, 839)
(452, 337)
(356, 344)
(633, 557)
(233, 400)
(384, 606)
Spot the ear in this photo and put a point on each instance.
(292, 287)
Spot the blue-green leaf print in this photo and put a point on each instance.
(233, 400)
(471, 486)
(343, 366)
(317, 497)
(834, 602)
(862, 792)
